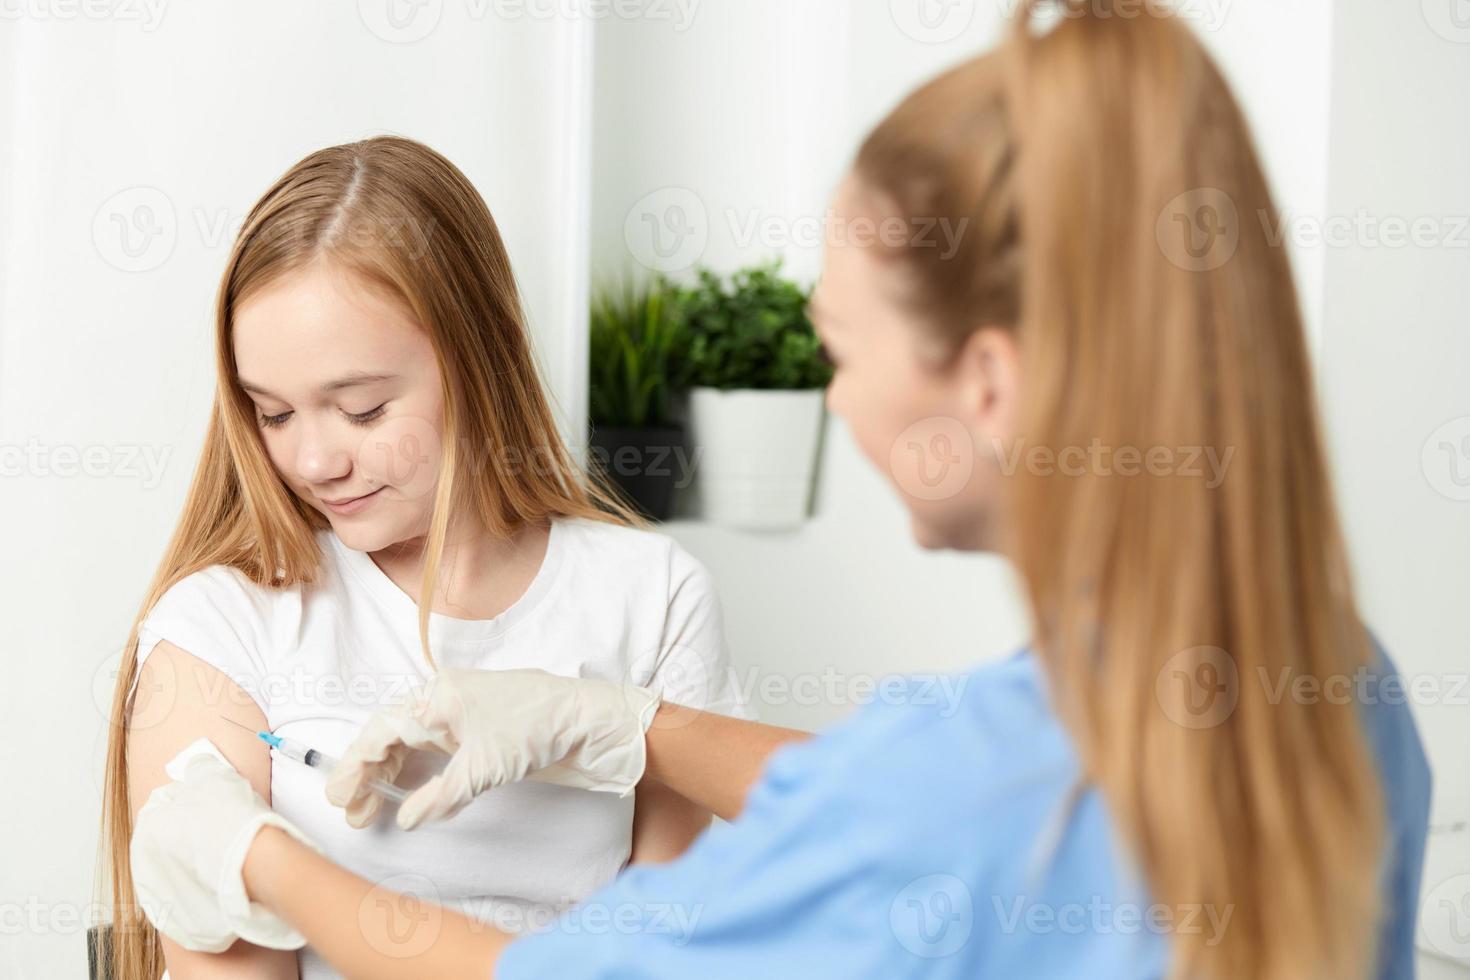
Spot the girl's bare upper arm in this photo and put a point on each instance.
(182, 698)
(664, 824)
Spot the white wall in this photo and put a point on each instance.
(755, 111)
(731, 110)
(203, 110)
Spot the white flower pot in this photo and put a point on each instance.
(755, 455)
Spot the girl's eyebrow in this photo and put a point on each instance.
(346, 381)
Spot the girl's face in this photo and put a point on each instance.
(930, 424)
(347, 395)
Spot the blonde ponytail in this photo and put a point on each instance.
(1072, 149)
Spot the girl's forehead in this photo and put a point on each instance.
(309, 329)
(317, 298)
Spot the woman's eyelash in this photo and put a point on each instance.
(271, 421)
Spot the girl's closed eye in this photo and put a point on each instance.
(356, 418)
(364, 418)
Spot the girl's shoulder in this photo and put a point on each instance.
(611, 535)
(630, 551)
(226, 593)
(223, 588)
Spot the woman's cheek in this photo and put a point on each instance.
(932, 457)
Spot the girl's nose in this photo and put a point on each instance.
(319, 464)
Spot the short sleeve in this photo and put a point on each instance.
(794, 882)
(214, 615)
(692, 664)
(800, 885)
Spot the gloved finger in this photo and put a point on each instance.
(439, 709)
(380, 740)
(432, 801)
(362, 811)
(363, 808)
(441, 797)
(362, 805)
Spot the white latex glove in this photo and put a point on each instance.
(188, 850)
(499, 726)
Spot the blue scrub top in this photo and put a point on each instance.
(935, 833)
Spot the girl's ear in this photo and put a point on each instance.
(988, 373)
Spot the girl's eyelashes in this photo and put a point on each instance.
(363, 418)
(825, 355)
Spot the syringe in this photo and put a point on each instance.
(307, 756)
(293, 749)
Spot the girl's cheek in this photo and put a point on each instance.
(279, 454)
(403, 452)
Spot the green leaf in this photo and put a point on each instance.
(633, 341)
(749, 332)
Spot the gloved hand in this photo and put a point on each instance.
(188, 848)
(499, 726)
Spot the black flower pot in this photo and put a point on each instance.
(647, 465)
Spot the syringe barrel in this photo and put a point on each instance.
(320, 760)
(295, 751)
(308, 756)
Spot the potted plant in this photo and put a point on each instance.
(756, 378)
(634, 345)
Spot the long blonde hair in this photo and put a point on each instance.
(405, 219)
(1070, 149)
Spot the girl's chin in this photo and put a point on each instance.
(363, 533)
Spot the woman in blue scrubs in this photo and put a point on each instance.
(1199, 768)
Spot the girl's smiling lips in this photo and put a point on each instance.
(351, 505)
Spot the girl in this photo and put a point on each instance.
(383, 493)
(1139, 795)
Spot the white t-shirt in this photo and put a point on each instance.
(608, 602)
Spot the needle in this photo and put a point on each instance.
(238, 725)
